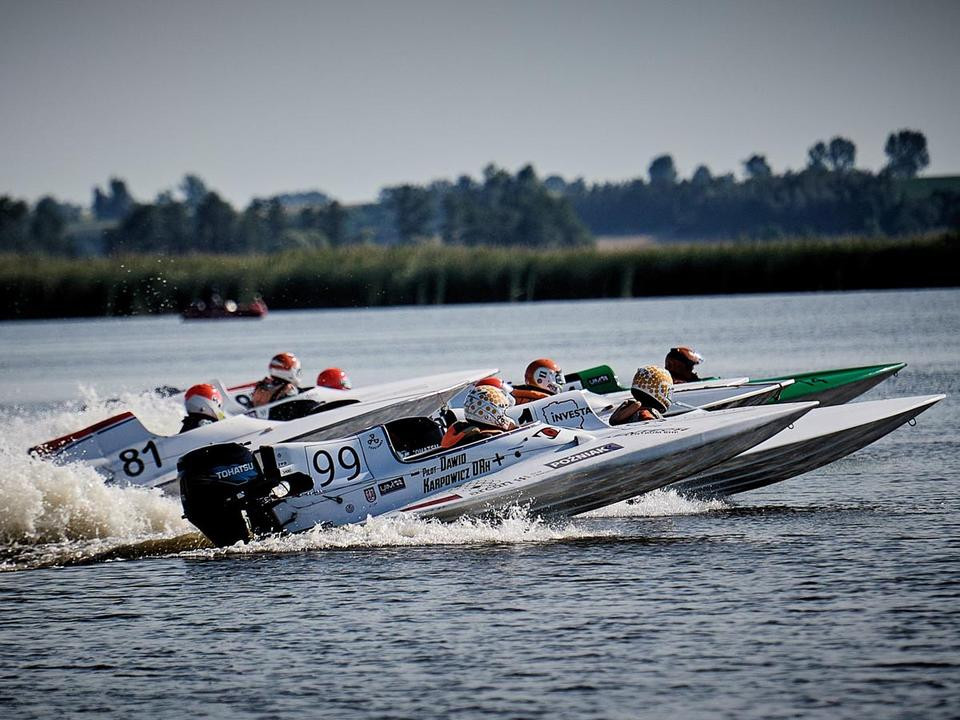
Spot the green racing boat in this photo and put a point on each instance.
(830, 387)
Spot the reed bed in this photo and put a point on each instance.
(356, 276)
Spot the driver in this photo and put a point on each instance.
(204, 406)
(651, 390)
(680, 362)
(283, 380)
(543, 378)
(485, 410)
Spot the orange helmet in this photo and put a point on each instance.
(204, 400)
(285, 366)
(545, 374)
(334, 378)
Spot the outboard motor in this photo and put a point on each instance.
(222, 491)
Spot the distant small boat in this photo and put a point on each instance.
(217, 309)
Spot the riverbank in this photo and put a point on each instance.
(358, 276)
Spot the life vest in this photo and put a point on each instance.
(463, 433)
(194, 420)
(270, 390)
(524, 394)
(630, 411)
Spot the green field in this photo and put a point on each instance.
(357, 276)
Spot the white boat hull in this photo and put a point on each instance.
(821, 437)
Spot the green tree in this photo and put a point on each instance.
(841, 154)
(702, 176)
(14, 224)
(47, 226)
(662, 170)
(411, 210)
(114, 205)
(194, 190)
(756, 167)
(215, 224)
(817, 156)
(907, 153)
(334, 223)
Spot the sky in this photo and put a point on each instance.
(348, 97)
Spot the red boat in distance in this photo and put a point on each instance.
(217, 309)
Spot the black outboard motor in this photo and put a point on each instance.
(222, 491)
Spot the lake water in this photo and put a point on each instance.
(835, 594)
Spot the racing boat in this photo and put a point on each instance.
(820, 437)
(834, 387)
(712, 398)
(125, 452)
(237, 399)
(231, 494)
(828, 387)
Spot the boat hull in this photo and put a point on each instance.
(834, 387)
(604, 480)
(782, 458)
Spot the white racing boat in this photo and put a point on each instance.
(820, 437)
(230, 494)
(717, 397)
(707, 398)
(125, 452)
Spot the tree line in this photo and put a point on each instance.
(829, 196)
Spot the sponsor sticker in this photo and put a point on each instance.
(373, 441)
(659, 431)
(585, 455)
(349, 508)
(233, 471)
(370, 494)
(389, 486)
(547, 432)
(565, 412)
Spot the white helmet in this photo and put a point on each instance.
(545, 374)
(204, 400)
(487, 405)
(285, 366)
(653, 383)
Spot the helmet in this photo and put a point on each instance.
(487, 405)
(502, 385)
(545, 374)
(285, 366)
(204, 400)
(653, 384)
(686, 355)
(334, 378)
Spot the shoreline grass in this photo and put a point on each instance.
(361, 276)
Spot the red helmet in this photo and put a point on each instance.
(204, 400)
(334, 378)
(285, 366)
(545, 374)
(685, 354)
(496, 382)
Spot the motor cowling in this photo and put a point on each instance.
(222, 489)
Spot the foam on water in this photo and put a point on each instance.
(399, 531)
(658, 503)
(68, 509)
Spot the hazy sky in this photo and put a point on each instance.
(347, 97)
